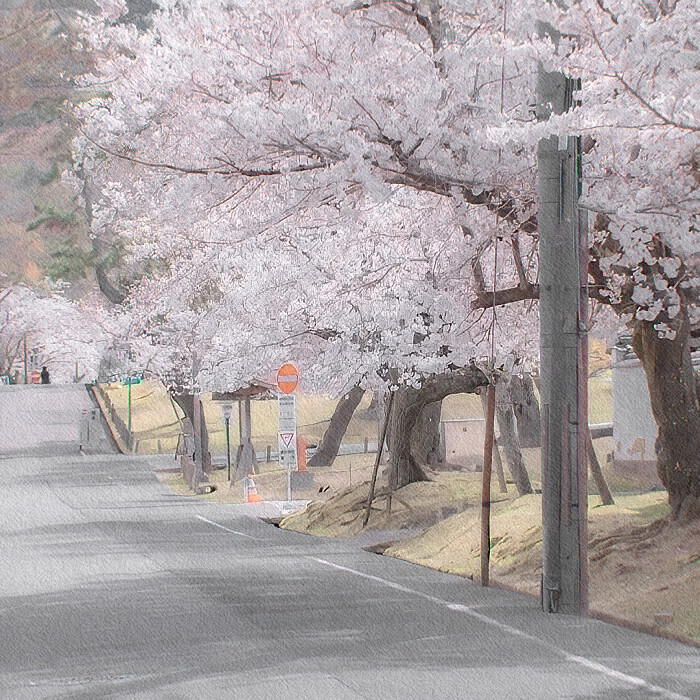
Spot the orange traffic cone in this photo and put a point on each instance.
(252, 495)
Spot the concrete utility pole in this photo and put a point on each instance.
(563, 358)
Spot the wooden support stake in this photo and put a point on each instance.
(486, 485)
(380, 449)
(597, 474)
(498, 463)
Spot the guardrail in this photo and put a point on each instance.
(124, 439)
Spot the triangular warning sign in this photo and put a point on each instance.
(287, 438)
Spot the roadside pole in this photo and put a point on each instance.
(563, 358)
(486, 482)
(226, 412)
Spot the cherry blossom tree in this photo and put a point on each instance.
(68, 337)
(249, 121)
(348, 301)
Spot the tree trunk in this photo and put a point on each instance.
(408, 404)
(328, 449)
(526, 409)
(100, 248)
(425, 438)
(403, 468)
(498, 463)
(674, 403)
(509, 439)
(186, 403)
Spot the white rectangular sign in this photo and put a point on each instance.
(287, 431)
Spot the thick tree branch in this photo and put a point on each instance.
(495, 200)
(485, 300)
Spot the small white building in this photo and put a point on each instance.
(634, 427)
(462, 441)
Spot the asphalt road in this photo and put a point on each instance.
(113, 587)
(46, 419)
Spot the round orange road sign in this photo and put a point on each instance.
(287, 378)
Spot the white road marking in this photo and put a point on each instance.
(228, 529)
(580, 660)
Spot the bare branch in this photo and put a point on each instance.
(148, 164)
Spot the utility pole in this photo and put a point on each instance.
(563, 358)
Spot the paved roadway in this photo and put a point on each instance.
(45, 419)
(113, 587)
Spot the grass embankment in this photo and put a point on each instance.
(642, 571)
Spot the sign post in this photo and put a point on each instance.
(226, 411)
(287, 380)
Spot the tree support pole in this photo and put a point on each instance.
(128, 418)
(563, 358)
(597, 474)
(486, 484)
(496, 457)
(380, 449)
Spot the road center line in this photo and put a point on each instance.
(572, 658)
(228, 529)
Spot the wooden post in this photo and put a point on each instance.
(486, 484)
(380, 449)
(496, 455)
(597, 473)
(128, 409)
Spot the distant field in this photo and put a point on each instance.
(156, 419)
